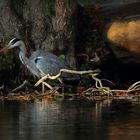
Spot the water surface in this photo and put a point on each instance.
(67, 120)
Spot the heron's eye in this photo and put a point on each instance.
(14, 41)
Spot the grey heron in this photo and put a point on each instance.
(40, 63)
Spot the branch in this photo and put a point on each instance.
(93, 72)
(134, 87)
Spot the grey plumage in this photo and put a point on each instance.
(45, 63)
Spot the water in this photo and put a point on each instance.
(67, 120)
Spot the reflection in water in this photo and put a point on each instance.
(68, 120)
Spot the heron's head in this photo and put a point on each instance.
(15, 42)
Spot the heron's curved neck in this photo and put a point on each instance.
(23, 53)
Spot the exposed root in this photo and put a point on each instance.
(97, 89)
(96, 92)
(92, 72)
(134, 87)
(101, 91)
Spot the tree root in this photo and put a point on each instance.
(41, 81)
(134, 87)
(98, 88)
(97, 91)
(132, 92)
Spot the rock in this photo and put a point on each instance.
(125, 34)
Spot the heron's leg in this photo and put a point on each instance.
(43, 87)
(59, 79)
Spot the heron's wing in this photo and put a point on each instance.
(33, 69)
(47, 63)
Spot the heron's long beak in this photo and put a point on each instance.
(5, 48)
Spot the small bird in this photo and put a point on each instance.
(40, 62)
